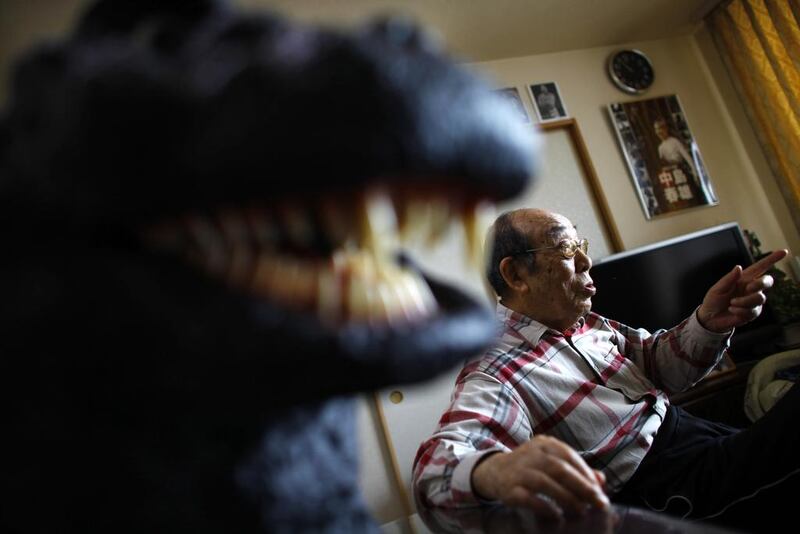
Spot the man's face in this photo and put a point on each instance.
(661, 130)
(560, 289)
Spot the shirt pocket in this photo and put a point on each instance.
(611, 354)
(599, 354)
(626, 378)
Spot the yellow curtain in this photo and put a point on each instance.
(759, 41)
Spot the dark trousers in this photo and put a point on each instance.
(747, 479)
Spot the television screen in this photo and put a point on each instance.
(659, 285)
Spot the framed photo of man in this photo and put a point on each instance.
(662, 156)
(511, 95)
(547, 101)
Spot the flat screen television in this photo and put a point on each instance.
(659, 285)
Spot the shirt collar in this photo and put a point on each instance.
(530, 329)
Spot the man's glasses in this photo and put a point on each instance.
(567, 247)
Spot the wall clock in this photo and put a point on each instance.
(631, 71)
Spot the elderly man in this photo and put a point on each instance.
(569, 406)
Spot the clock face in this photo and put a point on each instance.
(631, 71)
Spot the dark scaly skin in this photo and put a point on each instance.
(142, 395)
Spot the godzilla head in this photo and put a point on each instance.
(247, 182)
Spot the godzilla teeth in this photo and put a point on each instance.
(338, 223)
(358, 282)
(263, 231)
(209, 246)
(416, 220)
(241, 261)
(475, 219)
(378, 222)
(298, 228)
(440, 217)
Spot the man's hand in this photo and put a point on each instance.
(544, 474)
(738, 296)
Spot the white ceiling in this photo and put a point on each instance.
(482, 30)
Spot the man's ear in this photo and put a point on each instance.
(509, 270)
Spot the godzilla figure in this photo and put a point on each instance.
(200, 216)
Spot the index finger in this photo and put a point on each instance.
(590, 491)
(763, 265)
(584, 483)
(568, 454)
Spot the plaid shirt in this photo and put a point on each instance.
(600, 386)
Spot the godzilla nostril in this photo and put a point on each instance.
(402, 30)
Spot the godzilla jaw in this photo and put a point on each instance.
(334, 257)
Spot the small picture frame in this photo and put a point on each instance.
(547, 101)
(511, 95)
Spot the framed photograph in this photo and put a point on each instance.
(511, 95)
(547, 101)
(662, 156)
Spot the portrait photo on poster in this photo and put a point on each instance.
(662, 155)
(547, 101)
(511, 95)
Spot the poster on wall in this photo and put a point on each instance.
(662, 155)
